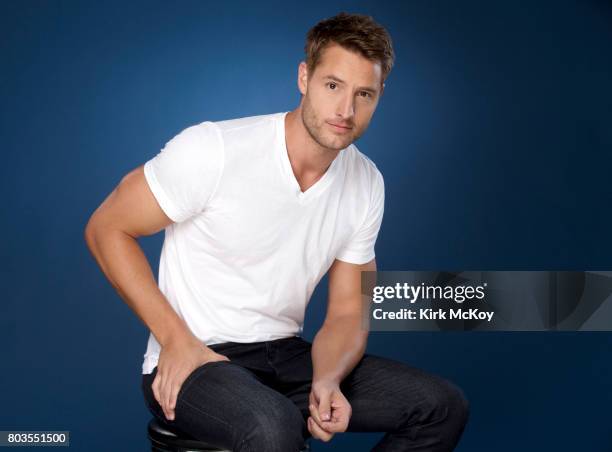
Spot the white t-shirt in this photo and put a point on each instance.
(248, 247)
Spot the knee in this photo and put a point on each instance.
(277, 428)
(446, 400)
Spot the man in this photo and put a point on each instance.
(256, 210)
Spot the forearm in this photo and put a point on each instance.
(337, 348)
(126, 267)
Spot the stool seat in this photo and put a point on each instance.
(164, 438)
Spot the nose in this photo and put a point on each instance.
(346, 108)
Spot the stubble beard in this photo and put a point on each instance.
(314, 126)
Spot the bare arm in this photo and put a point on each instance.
(338, 346)
(341, 341)
(129, 212)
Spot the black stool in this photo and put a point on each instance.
(165, 439)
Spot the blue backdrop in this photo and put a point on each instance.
(494, 136)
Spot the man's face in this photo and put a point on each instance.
(340, 96)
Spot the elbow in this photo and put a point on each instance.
(93, 229)
(89, 233)
(99, 229)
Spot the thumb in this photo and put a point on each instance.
(324, 406)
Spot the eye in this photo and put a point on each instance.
(365, 94)
(332, 85)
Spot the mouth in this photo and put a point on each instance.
(339, 128)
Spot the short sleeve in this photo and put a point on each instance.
(360, 248)
(184, 175)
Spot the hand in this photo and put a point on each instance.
(329, 410)
(177, 360)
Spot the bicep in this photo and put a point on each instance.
(131, 207)
(345, 288)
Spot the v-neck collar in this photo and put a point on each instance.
(319, 186)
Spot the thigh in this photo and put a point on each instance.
(385, 394)
(223, 403)
(292, 361)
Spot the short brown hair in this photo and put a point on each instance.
(355, 32)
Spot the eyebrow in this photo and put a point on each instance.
(361, 88)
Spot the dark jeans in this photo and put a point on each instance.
(258, 401)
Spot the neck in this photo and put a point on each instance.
(309, 160)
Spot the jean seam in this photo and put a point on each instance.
(191, 377)
(245, 442)
(194, 407)
(269, 354)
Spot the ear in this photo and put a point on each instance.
(303, 78)
(382, 89)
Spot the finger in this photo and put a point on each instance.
(335, 425)
(314, 413)
(325, 406)
(312, 400)
(341, 414)
(165, 393)
(314, 410)
(337, 412)
(317, 432)
(155, 388)
(160, 381)
(312, 403)
(173, 396)
(327, 426)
